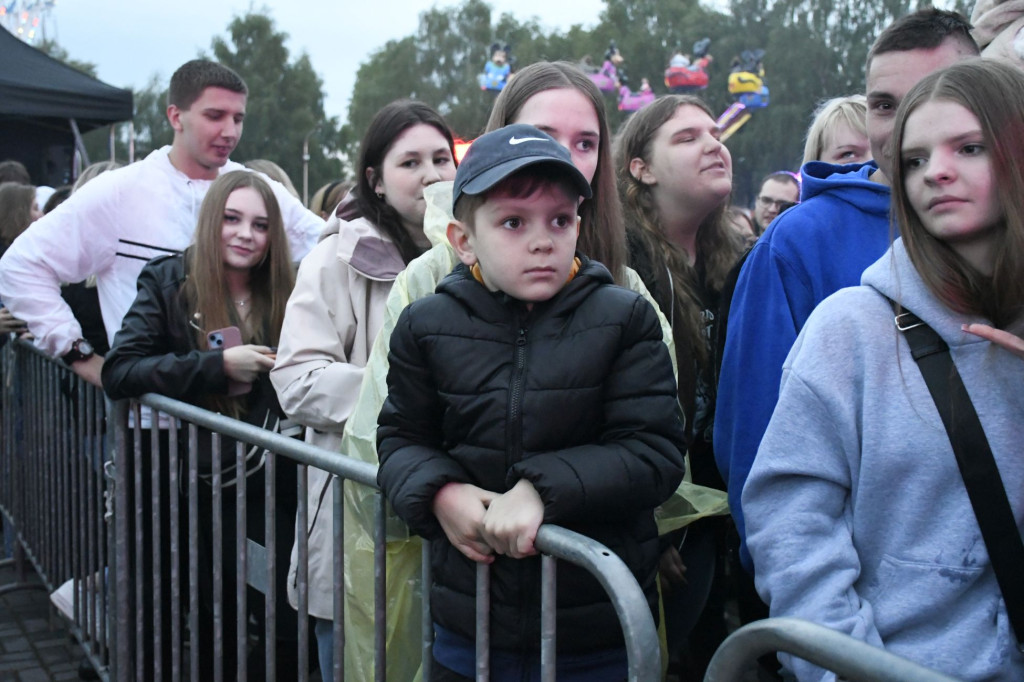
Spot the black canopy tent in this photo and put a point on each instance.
(42, 102)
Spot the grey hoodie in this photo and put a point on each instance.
(856, 511)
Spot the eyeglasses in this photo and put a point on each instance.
(780, 204)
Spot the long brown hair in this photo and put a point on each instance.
(16, 202)
(208, 301)
(717, 244)
(602, 233)
(994, 93)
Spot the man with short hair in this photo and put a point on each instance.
(779, 190)
(820, 246)
(111, 227)
(123, 218)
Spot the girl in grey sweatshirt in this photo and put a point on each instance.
(857, 515)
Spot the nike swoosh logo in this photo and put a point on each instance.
(520, 140)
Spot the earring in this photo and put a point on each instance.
(380, 195)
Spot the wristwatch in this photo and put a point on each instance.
(80, 350)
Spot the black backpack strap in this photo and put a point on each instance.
(974, 457)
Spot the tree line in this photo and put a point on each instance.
(814, 49)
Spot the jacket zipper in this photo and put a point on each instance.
(514, 451)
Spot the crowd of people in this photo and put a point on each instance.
(579, 328)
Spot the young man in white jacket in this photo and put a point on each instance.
(123, 218)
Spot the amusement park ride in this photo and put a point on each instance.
(26, 19)
(685, 74)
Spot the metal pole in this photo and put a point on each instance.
(131, 142)
(427, 622)
(483, 622)
(840, 653)
(380, 596)
(122, 659)
(79, 143)
(548, 613)
(305, 166)
(626, 596)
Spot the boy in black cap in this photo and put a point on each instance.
(529, 389)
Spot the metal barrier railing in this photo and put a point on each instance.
(56, 475)
(52, 493)
(52, 487)
(851, 659)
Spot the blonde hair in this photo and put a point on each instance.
(326, 199)
(274, 172)
(92, 170)
(851, 110)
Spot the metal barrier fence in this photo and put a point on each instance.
(151, 577)
(52, 487)
(849, 658)
(123, 585)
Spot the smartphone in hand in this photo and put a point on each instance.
(222, 339)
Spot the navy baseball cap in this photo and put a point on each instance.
(500, 153)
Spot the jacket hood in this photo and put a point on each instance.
(849, 180)
(365, 249)
(348, 208)
(439, 212)
(894, 275)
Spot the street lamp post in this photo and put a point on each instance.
(305, 166)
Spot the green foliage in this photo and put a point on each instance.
(437, 66)
(152, 129)
(285, 102)
(815, 49)
(285, 105)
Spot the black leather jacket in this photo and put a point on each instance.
(155, 352)
(577, 396)
(155, 349)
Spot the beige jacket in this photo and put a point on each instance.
(332, 318)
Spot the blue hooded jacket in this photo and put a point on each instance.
(810, 251)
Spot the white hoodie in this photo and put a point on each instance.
(110, 228)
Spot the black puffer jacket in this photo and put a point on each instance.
(577, 396)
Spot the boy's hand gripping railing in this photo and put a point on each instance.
(554, 542)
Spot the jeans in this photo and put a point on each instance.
(324, 631)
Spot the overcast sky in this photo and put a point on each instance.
(130, 40)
